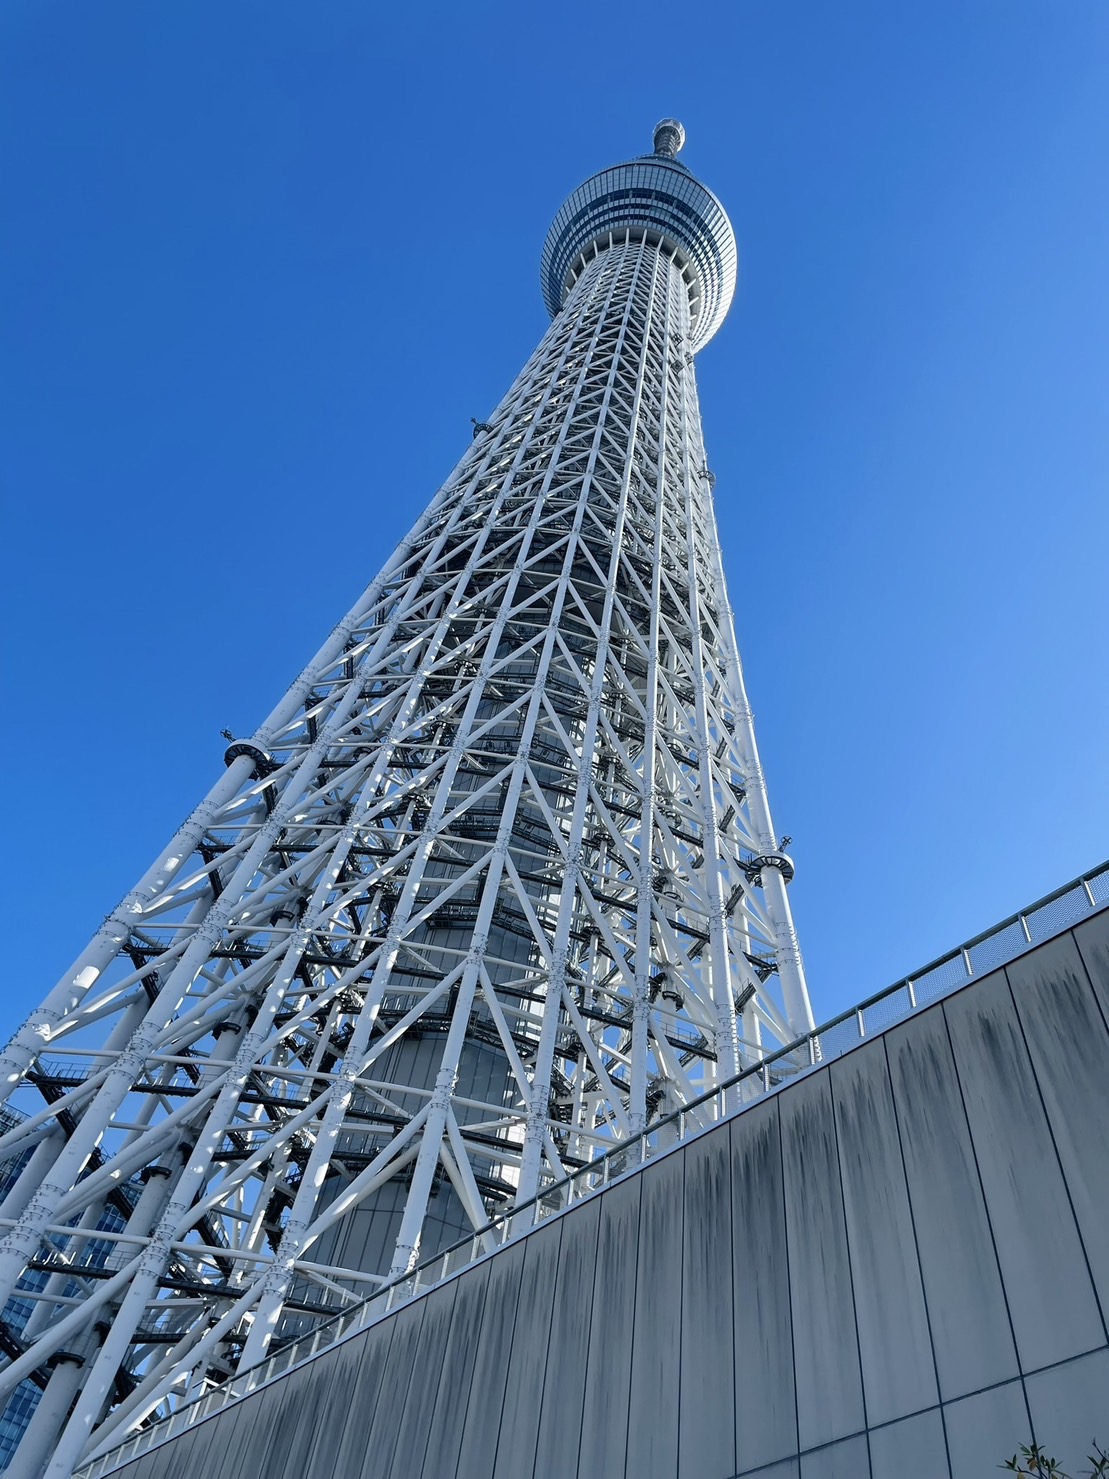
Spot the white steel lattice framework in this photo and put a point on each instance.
(493, 884)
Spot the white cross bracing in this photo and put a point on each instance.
(481, 897)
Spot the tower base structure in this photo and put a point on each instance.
(891, 1264)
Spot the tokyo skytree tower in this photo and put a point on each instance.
(493, 886)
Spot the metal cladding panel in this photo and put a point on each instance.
(657, 1332)
(408, 1455)
(971, 1334)
(564, 1385)
(354, 1373)
(825, 1347)
(914, 1448)
(899, 1373)
(1051, 1299)
(985, 1429)
(380, 1436)
(225, 1445)
(765, 1403)
(237, 1432)
(449, 1413)
(847, 1459)
(211, 1447)
(164, 1460)
(483, 1412)
(604, 1427)
(1069, 1044)
(366, 1360)
(183, 1463)
(346, 1383)
(707, 1374)
(286, 1439)
(234, 1442)
(1070, 1408)
(139, 1468)
(1093, 942)
(527, 1365)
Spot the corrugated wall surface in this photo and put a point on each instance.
(897, 1268)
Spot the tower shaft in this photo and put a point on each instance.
(495, 883)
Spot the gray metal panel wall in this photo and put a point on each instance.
(380, 1435)
(1051, 1302)
(969, 1316)
(914, 1448)
(656, 1334)
(560, 1419)
(981, 1429)
(825, 1342)
(889, 1295)
(1092, 939)
(1069, 1042)
(453, 1389)
(483, 1413)
(412, 1433)
(706, 1375)
(527, 1363)
(828, 1284)
(765, 1396)
(604, 1427)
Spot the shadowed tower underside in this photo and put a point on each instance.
(494, 884)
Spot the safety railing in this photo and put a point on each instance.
(986, 952)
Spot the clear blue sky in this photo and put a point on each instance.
(263, 261)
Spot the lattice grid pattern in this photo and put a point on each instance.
(494, 885)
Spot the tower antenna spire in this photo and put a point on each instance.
(669, 138)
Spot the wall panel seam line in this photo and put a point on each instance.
(400, 1415)
(1055, 1149)
(916, 1250)
(789, 1294)
(588, 1332)
(516, 1287)
(850, 1261)
(1089, 976)
(240, 1403)
(1066, 1360)
(939, 1407)
(988, 1215)
(469, 1385)
(511, 1347)
(547, 1352)
(631, 1355)
(546, 1356)
(434, 1396)
(381, 1380)
(681, 1317)
(731, 1291)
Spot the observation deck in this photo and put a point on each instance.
(657, 197)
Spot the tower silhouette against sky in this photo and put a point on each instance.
(494, 885)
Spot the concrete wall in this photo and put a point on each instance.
(897, 1267)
